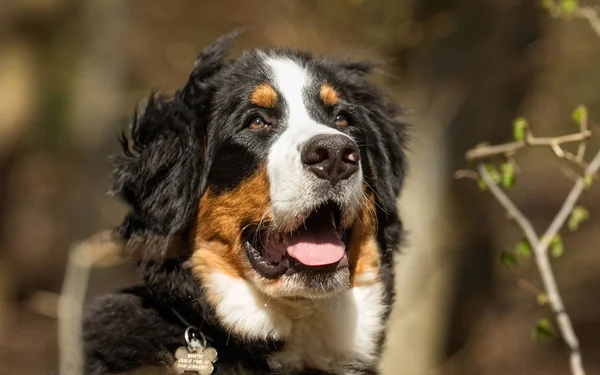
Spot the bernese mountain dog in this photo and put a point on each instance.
(262, 198)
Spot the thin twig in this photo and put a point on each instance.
(583, 124)
(465, 173)
(540, 249)
(591, 15)
(557, 150)
(100, 250)
(545, 268)
(575, 159)
(482, 152)
(562, 318)
(70, 310)
(568, 172)
(505, 201)
(570, 202)
(540, 245)
(549, 141)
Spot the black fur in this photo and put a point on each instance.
(177, 148)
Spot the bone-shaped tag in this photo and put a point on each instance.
(200, 361)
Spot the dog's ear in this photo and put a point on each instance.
(388, 133)
(385, 144)
(390, 140)
(163, 173)
(208, 63)
(387, 152)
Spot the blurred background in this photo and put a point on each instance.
(71, 72)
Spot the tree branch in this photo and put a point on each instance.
(481, 152)
(540, 245)
(569, 203)
(583, 125)
(512, 209)
(70, 310)
(485, 151)
(540, 249)
(100, 250)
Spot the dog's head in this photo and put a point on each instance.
(281, 169)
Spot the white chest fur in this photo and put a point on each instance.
(324, 334)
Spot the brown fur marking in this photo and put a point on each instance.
(329, 95)
(363, 255)
(217, 238)
(264, 95)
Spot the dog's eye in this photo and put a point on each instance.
(342, 120)
(258, 122)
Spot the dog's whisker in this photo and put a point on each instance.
(377, 196)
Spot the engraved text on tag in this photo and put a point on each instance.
(200, 361)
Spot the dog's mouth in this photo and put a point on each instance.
(319, 244)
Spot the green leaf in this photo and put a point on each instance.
(523, 249)
(557, 247)
(494, 174)
(568, 6)
(508, 259)
(579, 114)
(578, 216)
(543, 331)
(482, 185)
(519, 128)
(587, 182)
(508, 175)
(542, 299)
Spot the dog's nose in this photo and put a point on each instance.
(332, 157)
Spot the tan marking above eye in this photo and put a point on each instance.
(264, 95)
(329, 95)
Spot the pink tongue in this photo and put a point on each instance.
(316, 248)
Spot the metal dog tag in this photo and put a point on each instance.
(200, 361)
(197, 357)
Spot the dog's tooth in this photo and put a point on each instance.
(333, 220)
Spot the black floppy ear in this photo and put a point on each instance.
(386, 152)
(385, 144)
(390, 143)
(164, 172)
(160, 175)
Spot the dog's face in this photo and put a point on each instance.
(282, 169)
(286, 185)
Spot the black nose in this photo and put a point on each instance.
(331, 157)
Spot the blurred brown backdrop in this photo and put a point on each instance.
(71, 72)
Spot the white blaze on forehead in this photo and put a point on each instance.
(291, 79)
(293, 189)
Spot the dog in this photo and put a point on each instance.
(263, 198)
